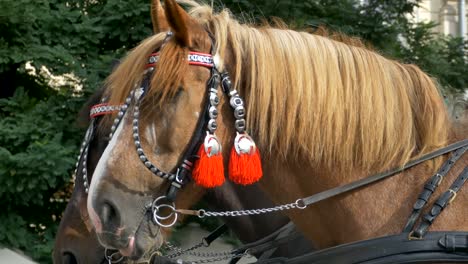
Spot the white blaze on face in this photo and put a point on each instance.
(99, 173)
(150, 133)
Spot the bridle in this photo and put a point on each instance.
(205, 124)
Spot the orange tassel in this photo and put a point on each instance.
(208, 171)
(245, 168)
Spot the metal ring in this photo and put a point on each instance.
(155, 212)
(168, 225)
(109, 257)
(201, 213)
(160, 198)
(300, 204)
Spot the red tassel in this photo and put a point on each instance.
(245, 168)
(208, 171)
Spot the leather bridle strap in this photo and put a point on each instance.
(430, 187)
(378, 177)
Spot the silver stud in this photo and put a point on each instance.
(120, 114)
(214, 99)
(128, 100)
(135, 129)
(236, 101)
(135, 136)
(116, 121)
(113, 128)
(160, 173)
(124, 107)
(212, 125)
(148, 164)
(135, 122)
(143, 158)
(213, 112)
(240, 125)
(86, 190)
(137, 144)
(239, 112)
(154, 169)
(140, 151)
(172, 177)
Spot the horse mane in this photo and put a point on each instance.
(335, 104)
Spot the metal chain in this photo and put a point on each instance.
(179, 251)
(298, 204)
(209, 256)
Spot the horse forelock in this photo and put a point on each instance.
(335, 103)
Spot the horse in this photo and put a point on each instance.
(320, 112)
(76, 241)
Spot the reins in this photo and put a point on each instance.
(302, 203)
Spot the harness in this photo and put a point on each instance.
(414, 244)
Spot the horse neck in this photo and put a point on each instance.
(248, 228)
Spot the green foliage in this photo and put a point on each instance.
(38, 136)
(444, 57)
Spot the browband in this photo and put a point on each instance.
(194, 58)
(103, 109)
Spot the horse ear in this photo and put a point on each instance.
(181, 23)
(158, 17)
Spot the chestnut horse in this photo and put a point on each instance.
(323, 113)
(76, 241)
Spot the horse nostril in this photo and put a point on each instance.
(69, 258)
(109, 215)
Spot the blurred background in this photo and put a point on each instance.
(55, 53)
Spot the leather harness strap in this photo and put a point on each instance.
(378, 177)
(430, 187)
(436, 246)
(445, 199)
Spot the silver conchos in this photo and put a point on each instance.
(244, 144)
(212, 145)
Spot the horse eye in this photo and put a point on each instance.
(178, 93)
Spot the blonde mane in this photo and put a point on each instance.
(337, 105)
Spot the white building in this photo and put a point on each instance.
(449, 14)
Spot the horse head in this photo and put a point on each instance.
(141, 160)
